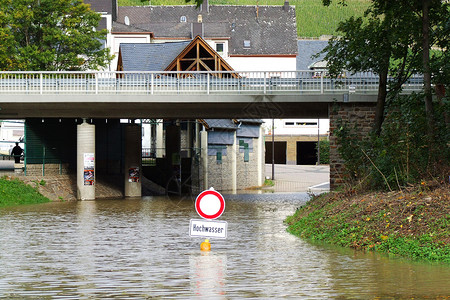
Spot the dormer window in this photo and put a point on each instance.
(219, 48)
(199, 19)
(246, 44)
(183, 19)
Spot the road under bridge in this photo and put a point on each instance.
(88, 96)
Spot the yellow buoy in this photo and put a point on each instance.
(205, 246)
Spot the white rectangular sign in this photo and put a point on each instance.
(205, 228)
(89, 160)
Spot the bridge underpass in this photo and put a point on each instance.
(91, 100)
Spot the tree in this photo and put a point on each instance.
(379, 45)
(50, 35)
(391, 40)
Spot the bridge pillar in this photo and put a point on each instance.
(159, 139)
(361, 115)
(204, 157)
(85, 161)
(133, 157)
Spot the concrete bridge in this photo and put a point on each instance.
(186, 95)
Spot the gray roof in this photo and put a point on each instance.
(221, 123)
(119, 27)
(150, 56)
(103, 6)
(271, 30)
(306, 49)
(251, 121)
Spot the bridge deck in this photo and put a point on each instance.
(181, 94)
(187, 83)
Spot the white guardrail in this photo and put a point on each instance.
(184, 82)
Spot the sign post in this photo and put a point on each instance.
(209, 205)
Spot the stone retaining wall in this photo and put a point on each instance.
(361, 114)
(47, 169)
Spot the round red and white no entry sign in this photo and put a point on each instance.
(210, 204)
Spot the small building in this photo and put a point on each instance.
(235, 153)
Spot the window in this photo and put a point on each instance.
(306, 123)
(246, 44)
(183, 19)
(299, 124)
(219, 47)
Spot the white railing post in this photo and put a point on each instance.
(96, 83)
(265, 90)
(321, 82)
(207, 83)
(41, 81)
(152, 83)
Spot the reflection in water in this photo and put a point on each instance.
(140, 248)
(208, 274)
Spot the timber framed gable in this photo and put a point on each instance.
(199, 56)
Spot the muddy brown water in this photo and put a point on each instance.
(141, 248)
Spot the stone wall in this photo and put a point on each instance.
(361, 114)
(47, 169)
(220, 173)
(247, 172)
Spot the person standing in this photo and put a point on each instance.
(17, 153)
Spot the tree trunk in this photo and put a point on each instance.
(381, 101)
(426, 68)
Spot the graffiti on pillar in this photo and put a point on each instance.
(133, 175)
(89, 165)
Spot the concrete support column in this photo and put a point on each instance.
(189, 139)
(204, 157)
(197, 136)
(133, 156)
(160, 139)
(85, 161)
(234, 150)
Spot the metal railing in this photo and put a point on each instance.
(184, 82)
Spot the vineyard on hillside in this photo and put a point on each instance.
(313, 19)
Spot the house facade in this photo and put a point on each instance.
(249, 38)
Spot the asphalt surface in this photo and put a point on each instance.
(299, 178)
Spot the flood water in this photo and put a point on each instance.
(141, 248)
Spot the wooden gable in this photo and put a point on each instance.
(199, 56)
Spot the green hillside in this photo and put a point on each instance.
(313, 19)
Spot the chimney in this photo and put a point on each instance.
(286, 5)
(204, 7)
(114, 10)
(196, 29)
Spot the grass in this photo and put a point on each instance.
(313, 19)
(15, 192)
(268, 182)
(413, 224)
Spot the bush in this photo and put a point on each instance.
(324, 146)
